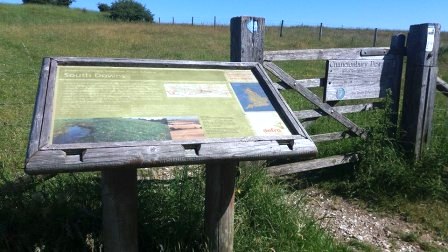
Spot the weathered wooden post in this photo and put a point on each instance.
(219, 204)
(420, 86)
(374, 37)
(247, 35)
(192, 21)
(397, 50)
(119, 197)
(246, 39)
(320, 31)
(281, 29)
(214, 22)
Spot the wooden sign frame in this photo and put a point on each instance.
(45, 157)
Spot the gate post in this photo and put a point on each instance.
(246, 39)
(420, 86)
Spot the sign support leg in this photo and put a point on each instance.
(219, 205)
(119, 197)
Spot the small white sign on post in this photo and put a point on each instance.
(430, 38)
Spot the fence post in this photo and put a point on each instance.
(397, 49)
(119, 198)
(192, 21)
(374, 37)
(320, 31)
(173, 20)
(281, 29)
(246, 39)
(420, 85)
(214, 22)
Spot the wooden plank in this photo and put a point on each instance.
(283, 109)
(48, 110)
(119, 198)
(76, 146)
(315, 113)
(420, 84)
(331, 136)
(274, 69)
(359, 79)
(442, 86)
(39, 107)
(117, 62)
(219, 205)
(54, 161)
(322, 54)
(285, 169)
(308, 83)
(247, 39)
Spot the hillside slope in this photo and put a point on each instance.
(46, 14)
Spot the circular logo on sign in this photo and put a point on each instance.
(340, 93)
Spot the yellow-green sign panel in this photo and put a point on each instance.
(114, 104)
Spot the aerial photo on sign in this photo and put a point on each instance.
(110, 104)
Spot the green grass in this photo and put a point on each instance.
(46, 14)
(65, 211)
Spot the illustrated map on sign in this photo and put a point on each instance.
(110, 104)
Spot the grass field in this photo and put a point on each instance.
(64, 213)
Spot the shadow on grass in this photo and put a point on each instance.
(64, 214)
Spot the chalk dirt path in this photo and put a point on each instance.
(350, 222)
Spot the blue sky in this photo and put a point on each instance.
(383, 14)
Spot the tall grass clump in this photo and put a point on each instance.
(386, 172)
(264, 220)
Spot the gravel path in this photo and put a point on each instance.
(350, 222)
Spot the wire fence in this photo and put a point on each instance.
(440, 121)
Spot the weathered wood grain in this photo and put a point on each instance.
(246, 43)
(308, 83)
(119, 198)
(220, 204)
(274, 69)
(124, 62)
(442, 86)
(285, 169)
(39, 106)
(359, 79)
(280, 104)
(47, 115)
(331, 136)
(397, 46)
(325, 54)
(316, 113)
(54, 161)
(420, 85)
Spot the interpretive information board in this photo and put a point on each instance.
(358, 79)
(95, 114)
(110, 104)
